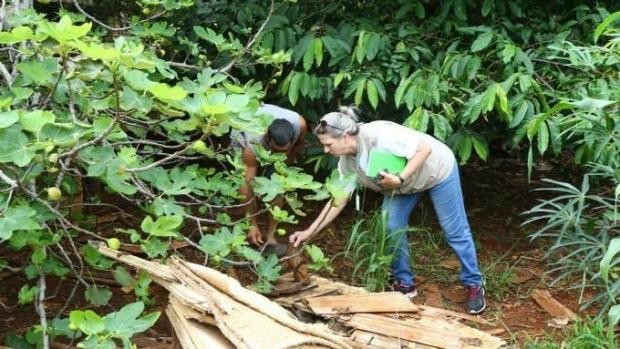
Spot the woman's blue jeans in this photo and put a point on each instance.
(447, 199)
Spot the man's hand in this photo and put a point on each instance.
(388, 180)
(297, 237)
(255, 236)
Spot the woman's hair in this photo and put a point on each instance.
(335, 124)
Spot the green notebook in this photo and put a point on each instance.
(380, 160)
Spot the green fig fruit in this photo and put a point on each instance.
(54, 194)
(113, 243)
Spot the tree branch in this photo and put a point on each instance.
(226, 68)
(40, 307)
(6, 75)
(79, 8)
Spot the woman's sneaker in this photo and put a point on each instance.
(476, 302)
(408, 291)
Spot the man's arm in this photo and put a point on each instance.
(251, 170)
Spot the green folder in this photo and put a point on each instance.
(380, 160)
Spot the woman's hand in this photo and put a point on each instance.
(297, 237)
(388, 180)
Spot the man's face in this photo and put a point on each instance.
(275, 148)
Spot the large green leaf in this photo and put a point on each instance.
(612, 250)
(126, 322)
(482, 41)
(601, 27)
(614, 316)
(371, 91)
(294, 87)
(87, 321)
(165, 92)
(34, 121)
(64, 30)
(98, 295)
(97, 51)
(8, 118)
(164, 226)
(14, 146)
(318, 51)
(39, 72)
(17, 35)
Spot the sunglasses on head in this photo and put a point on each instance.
(323, 124)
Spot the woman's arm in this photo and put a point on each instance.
(331, 210)
(392, 180)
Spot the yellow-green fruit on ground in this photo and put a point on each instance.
(54, 194)
(72, 326)
(281, 231)
(113, 243)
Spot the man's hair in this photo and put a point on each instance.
(281, 132)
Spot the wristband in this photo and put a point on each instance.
(400, 178)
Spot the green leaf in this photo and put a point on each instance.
(519, 114)
(293, 89)
(359, 91)
(360, 49)
(460, 9)
(268, 189)
(251, 254)
(614, 316)
(612, 250)
(374, 40)
(95, 259)
(481, 147)
(17, 219)
(36, 71)
(98, 296)
(87, 321)
(601, 27)
(487, 6)
(164, 226)
(222, 242)
(164, 92)
(543, 137)
(126, 322)
(154, 247)
(500, 93)
(308, 58)
(17, 35)
(8, 118)
(508, 52)
(488, 99)
(64, 30)
(269, 268)
(97, 51)
(371, 91)
(482, 41)
(27, 294)
(122, 276)
(400, 91)
(318, 51)
(34, 121)
(315, 253)
(340, 187)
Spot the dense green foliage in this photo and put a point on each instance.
(144, 109)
